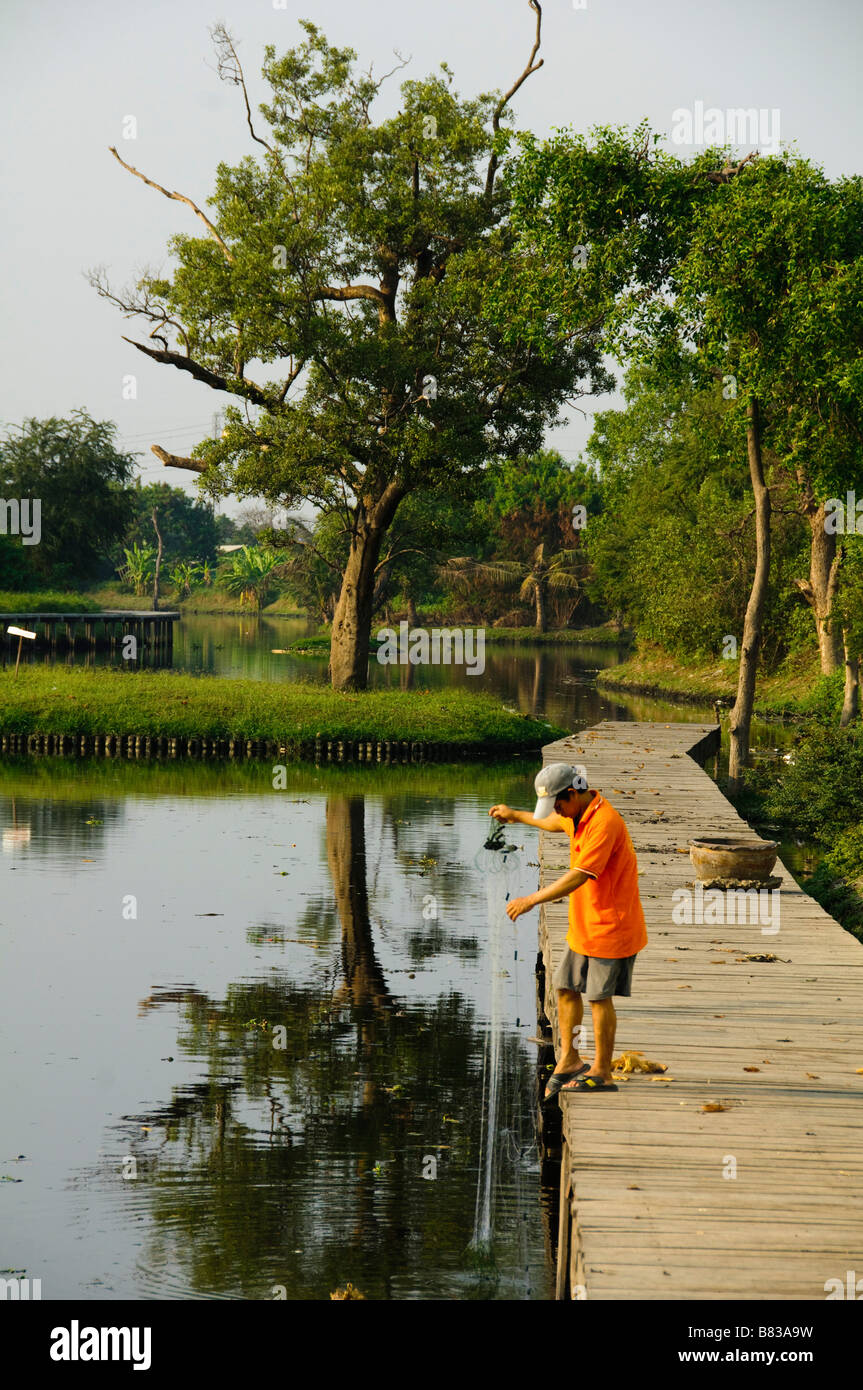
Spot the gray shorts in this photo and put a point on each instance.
(595, 976)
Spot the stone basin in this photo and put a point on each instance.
(731, 856)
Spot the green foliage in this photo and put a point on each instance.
(252, 573)
(187, 525)
(821, 790)
(185, 576)
(74, 467)
(673, 547)
(139, 569)
(46, 601)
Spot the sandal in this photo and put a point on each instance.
(591, 1083)
(559, 1078)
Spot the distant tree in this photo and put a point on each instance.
(531, 501)
(189, 529)
(543, 574)
(76, 470)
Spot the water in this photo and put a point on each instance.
(347, 1147)
(263, 1044)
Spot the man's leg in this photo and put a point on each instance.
(570, 1010)
(604, 1029)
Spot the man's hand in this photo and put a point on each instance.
(519, 906)
(503, 813)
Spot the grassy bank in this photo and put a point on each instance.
(57, 700)
(318, 643)
(108, 596)
(796, 688)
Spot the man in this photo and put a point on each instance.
(606, 919)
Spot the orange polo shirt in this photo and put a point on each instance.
(605, 914)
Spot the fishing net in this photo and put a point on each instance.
(501, 868)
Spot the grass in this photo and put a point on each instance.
(55, 700)
(794, 688)
(112, 595)
(47, 600)
(594, 636)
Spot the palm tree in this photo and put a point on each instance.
(533, 580)
(251, 572)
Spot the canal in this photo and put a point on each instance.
(249, 1033)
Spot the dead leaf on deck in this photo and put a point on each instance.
(751, 1068)
(636, 1061)
(712, 1106)
(813, 1076)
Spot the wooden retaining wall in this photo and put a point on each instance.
(661, 1199)
(311, 750)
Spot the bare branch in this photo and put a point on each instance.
(178, 197)
(230, 69)
(531, 67)
(351, 292)
(172, 460)
(248, 389)
(728, 172)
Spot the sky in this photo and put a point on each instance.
(73, 73)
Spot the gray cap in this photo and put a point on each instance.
(554, 779)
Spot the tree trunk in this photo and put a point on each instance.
(158, 563)
(413, 620)
(352, 620)
(851, 702)
(541, 615)
(741, 715)
(820, 588)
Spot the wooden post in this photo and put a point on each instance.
(563, 1224)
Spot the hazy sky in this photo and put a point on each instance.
(73, 71)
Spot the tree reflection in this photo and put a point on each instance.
(302, 1159)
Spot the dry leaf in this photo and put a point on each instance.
(859, 1071)
(712, 1106)
(751, 1068)
(636, 1061)
(813, 1076)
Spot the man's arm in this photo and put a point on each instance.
(552, 822)
(561, 888)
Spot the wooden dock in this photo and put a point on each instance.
(152, 629)
(650, 1206)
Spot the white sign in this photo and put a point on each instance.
(19, 632)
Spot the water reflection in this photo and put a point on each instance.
(324, 1125)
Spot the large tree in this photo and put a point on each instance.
(752, 267)
(770, 292)
(359, 262)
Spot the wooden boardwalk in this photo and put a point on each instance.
(646, 1211)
